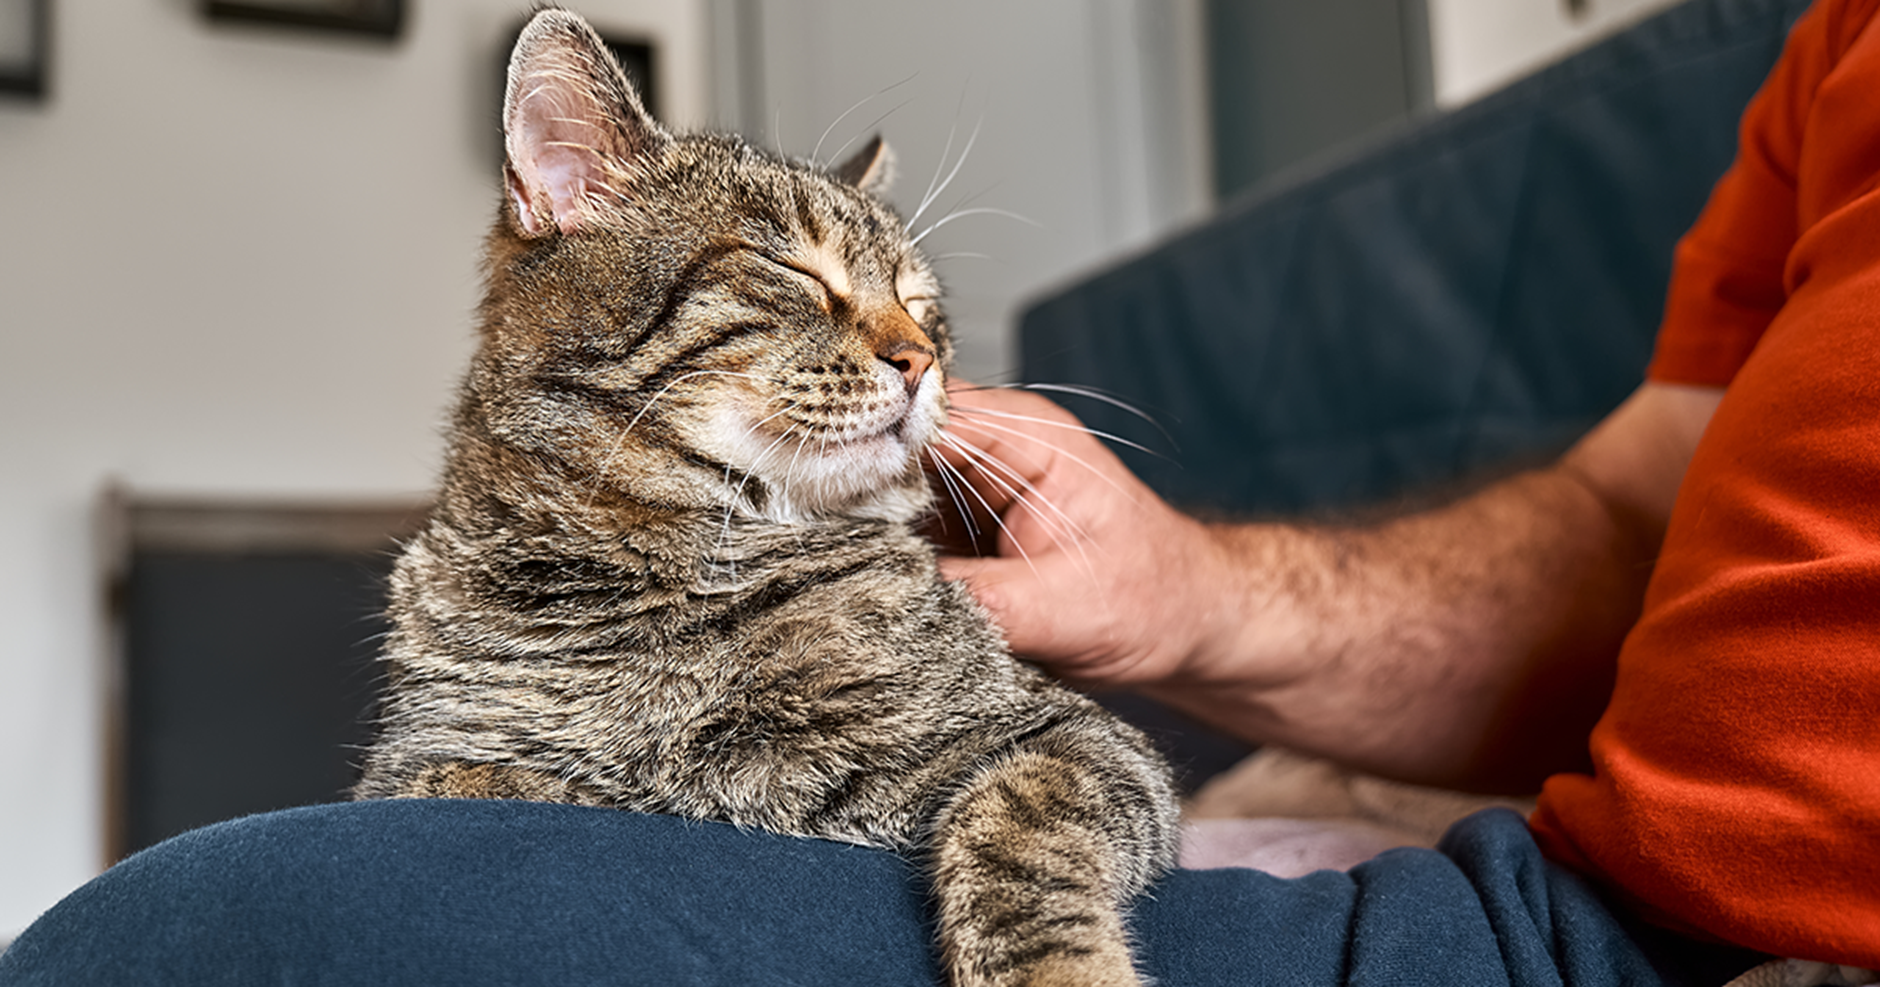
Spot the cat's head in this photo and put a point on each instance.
(693, 321)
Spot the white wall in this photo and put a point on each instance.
(231, 262)
(1479, 46)
(243, 262)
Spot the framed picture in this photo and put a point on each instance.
(376, 18)
(25, 41)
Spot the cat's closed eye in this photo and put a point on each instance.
(814, 283)
(919, 309)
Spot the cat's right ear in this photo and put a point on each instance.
(573, 127)
(870, 169)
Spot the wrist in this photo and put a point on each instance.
(1255, 633)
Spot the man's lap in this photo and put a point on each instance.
(427, 892)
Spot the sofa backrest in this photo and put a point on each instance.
(1466, 293)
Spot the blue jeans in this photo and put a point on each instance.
(453, 892)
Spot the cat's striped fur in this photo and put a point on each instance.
(671, 566)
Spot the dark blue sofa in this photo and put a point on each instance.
(1444, 304)
(1452, 298)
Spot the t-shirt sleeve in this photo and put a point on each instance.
(1735, 791)
(1727, 279)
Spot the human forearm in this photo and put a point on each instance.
(1471, 645)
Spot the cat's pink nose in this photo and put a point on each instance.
(910, 358)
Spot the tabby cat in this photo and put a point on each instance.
(672, 568)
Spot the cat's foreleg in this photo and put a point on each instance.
(1035, 857)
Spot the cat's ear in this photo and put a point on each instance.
(870, 169)
(572, 125)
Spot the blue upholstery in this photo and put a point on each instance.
(1470, 292)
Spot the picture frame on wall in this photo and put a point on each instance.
(25, 46)
(372, 18)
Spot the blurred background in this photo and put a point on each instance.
(239, 252)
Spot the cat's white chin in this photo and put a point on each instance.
(865, 477)
(867, 471)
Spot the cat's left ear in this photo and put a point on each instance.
(572, 126)
(870, 169)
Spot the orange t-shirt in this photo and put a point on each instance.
(1736, 784)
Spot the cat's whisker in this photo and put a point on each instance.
(864, 101)
(752, 428)
(970, 199)
(751, 470)
(953, 130)
(995, 517)
(619, 447)
(935, 193)
(1094, 394)
(724, 531)
(1060, 450)
(1057, 535)
(674, 383)
(975, 211)
(1012, 416)
(731, 503)
(781, 485)
(953, 496)
(955, 487)
(1066, 534)
(992, 467)
(790, 474)
(869, 128)
(1064, 528)
(954, 480)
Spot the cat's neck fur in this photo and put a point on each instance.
(713, 536)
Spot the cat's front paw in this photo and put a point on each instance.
(1101, 968)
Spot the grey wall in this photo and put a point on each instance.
(1291, 78)
(1478, 46)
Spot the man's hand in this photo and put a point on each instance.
(1085, 569)
(1471, 645)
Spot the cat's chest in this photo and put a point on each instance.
(860, 657)
(807, 712)
(826, 639)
